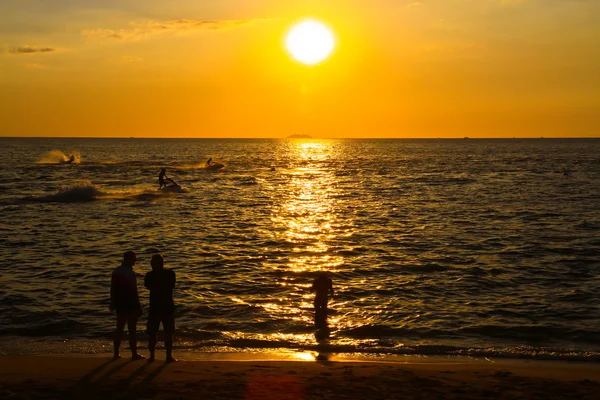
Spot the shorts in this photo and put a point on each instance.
(127, 308)
(154, 320)
(321, 302)
(128, 312)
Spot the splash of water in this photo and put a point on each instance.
(85, 191)
(80, 192)
(58, 157)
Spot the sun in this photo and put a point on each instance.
(310, 42)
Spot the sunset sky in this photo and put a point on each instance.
(218, 68)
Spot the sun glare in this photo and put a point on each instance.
(310, 42)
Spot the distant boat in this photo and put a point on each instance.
(299, 136)
(466, 137)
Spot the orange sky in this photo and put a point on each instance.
(218, 68)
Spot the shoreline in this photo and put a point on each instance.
(307, 356)
(424, 353)
(234, 377)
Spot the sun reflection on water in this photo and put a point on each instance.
(311, 225)
(304, 356)
(306, 216)
(306, 212)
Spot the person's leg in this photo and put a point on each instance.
(132, 327)
(320, 312)
(151, 346)
(121, 320)
(169, 325)
(152, 329)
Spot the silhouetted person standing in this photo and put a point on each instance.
(160, 282)
(322, 286)
(125, 301)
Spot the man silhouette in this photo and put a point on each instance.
(125, 301)
(160, 282)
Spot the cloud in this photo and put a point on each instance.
(29, 50)
(147, 29)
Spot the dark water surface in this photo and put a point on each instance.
(471, 247)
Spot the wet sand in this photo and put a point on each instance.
(234, 377)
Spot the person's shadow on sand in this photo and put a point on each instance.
(88, 386)
(142, 388)
(87, 378)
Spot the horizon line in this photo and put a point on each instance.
(308, 138)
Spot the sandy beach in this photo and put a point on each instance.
(93, 377)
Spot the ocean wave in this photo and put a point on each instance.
(85, 191)
(37, 323)
(246, 181)
(588, 225)
(533, 334)
(79, 192)
(16, 300)
(54, 328)
(103, 344)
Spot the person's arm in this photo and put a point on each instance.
(111, 306)
(147, 281)
(136, 297)
(174, 278)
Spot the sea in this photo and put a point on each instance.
(465, 247)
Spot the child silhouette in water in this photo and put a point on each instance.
(322, 286)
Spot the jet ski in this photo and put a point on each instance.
(214, 166)
(173, 187)
(69, 160)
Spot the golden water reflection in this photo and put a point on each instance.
(305, 214)
(304, 356)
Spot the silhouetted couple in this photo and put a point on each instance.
(125, 301)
